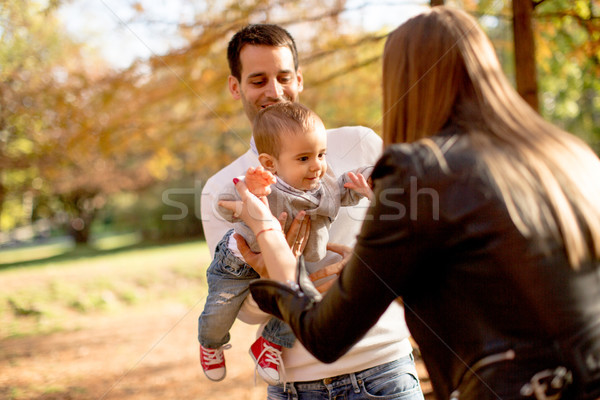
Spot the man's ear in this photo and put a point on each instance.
(234, 87)
(300, 80)
(268, 162)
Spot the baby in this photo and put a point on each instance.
(292, 142)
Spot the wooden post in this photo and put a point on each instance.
(437, 3)
(525, 68)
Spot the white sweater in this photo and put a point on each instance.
(347, 148)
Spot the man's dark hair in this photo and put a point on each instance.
(258, 35)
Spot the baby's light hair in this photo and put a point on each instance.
(281, 119)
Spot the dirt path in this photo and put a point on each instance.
(143, 355)
(147, 354)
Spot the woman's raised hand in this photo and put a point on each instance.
(253, 210)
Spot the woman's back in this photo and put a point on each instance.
(489, 231)
(480, 287)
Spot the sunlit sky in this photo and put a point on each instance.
(110, 25)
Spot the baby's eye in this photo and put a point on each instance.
(322, 155)
(303, 158)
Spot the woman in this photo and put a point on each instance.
(486, 223)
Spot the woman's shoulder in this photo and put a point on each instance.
(443, 157)
(426, 151)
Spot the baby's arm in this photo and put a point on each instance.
(259, 181)
(359, 184)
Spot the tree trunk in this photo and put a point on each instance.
(80, 226)
(525, 69)
(80, 232)
(79, 206)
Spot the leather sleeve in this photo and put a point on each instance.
(385, 259)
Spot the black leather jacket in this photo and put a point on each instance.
(483, 302)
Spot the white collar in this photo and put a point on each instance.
(253, 145)
(287, 186)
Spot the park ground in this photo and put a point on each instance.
(135, 341)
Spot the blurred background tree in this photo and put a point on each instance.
(61, 113)
(567, 57)
(86, 147)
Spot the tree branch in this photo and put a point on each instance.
(346, 70)
(324, 53)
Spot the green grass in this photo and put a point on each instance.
(62, 248)
(52, 248)
(64, 290)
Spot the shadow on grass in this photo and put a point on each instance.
(89, 251)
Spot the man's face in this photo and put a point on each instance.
(301, 162)
(268, 77)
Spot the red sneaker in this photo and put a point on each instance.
(213, 362)
(267, 357)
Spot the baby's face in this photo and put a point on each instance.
(301, 162)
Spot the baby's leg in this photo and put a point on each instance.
(228, 279)
(278, 332)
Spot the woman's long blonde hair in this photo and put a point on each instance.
(438, 68)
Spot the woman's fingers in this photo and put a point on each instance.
(241, 188)
(234, 206)
(252, 210)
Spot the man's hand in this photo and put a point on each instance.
(255, 260)
(297, 237)
(333, 269)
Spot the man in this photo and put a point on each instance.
(264, 70)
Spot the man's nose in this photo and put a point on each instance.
(274, 89)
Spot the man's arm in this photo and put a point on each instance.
(350, 148)
(213, 225)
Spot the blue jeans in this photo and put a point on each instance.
(394, 380)
(228, 285)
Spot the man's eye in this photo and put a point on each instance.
(285, 79)
(257, 83)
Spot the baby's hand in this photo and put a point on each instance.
(259, 181)
(359, 184)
